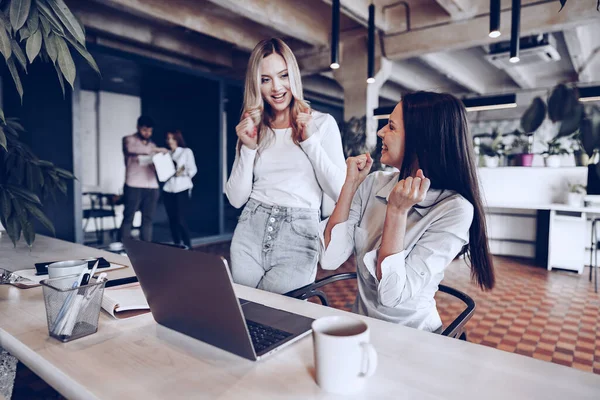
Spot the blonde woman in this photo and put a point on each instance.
(288, 158)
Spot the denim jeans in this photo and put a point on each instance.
(275, 248)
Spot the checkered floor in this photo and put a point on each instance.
(550, 315)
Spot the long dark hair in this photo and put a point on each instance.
(178, 136)
(437, 135)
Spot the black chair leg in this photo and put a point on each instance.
(592, 247)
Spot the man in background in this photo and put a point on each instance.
(141, 186)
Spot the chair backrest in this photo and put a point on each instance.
(457, 327)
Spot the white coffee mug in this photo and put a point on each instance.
(65, 268)
(344, 358)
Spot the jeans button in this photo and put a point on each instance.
(270, 229)
(272, 219)
(269, 238)
(275, 210)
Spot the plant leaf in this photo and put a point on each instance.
(68, 19)
(19, 11)
(5, 47)
(33, 46)
(40, 216)
(46, 28)
(65, 61)
(60, 79)
(13, 228)
(24, 33)
(84, 53)
(63, 173)
(47, 12)
(15, 75)
(28, 232)
(50, 46)
(534, 116)
(5, 204)
(561, 103)
(3, 139)
(571, 124)
(19, 55)
(33, 22)
(24, 194)
(2, 116)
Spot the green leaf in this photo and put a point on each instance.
(68, 19)
(60, 79)
(561, 103)
(28, 232)
(5, 204)
(534, 116)
(50, 46)
(65, 61)
(47, 12)
(5, 47)
(19, 55)
(62, 186)
(84, 53)
(15, 124)
(63, 173)
(13, 228)
(33, 22)
(19, 11)
(24, 194)
(15, 75)
(2, 116)
(34, 45)
(571, 123)
(40, 216)
(3, 139)
(46, 28)
(24, 33)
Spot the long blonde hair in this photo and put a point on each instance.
(254, 104)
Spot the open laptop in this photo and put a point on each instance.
(192, 293)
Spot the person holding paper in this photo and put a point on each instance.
(178, 189)
(141, 186)
(289, 160)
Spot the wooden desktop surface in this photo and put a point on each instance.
(137, 358)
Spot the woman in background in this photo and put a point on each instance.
(288, 158)
(178, 189)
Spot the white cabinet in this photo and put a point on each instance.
(567, 238)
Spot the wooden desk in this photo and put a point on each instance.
(137, 358)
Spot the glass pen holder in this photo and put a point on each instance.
(72, 311)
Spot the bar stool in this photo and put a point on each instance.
(594, 253)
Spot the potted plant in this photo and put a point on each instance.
(590, 139)
(552, 156)
(43, 30)
(576, 194)
(492, 152)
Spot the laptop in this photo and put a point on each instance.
(192, 292)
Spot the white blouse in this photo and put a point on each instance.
(182, 157)
(434, 236)
(289, 175)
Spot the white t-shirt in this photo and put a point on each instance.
(289, 175)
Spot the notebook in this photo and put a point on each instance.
(125, 301)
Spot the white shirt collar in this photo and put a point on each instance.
(432, 196)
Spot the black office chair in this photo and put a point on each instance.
(101, 205)
(456, 329)
(595, 245)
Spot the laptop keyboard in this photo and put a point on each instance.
(264, 336)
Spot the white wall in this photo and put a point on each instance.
(106, 118)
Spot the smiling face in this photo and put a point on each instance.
(171, 141)
(394, 140)
(275, 83)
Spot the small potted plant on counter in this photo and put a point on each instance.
(492, 152)
(531, 120)
(552, 156)
(576, 194)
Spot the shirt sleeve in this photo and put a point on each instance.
(404, 275)
(239, 185)
(190, 164)
(133, 147)
(341, 244)
(325, 152)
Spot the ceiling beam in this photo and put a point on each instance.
(456, 70)
(583, 45)
(390, 92)
(193, 16)
(292, 18)
(458, 9)
(410, 76)
(535, 18)
(132, 29)
(521, 77)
